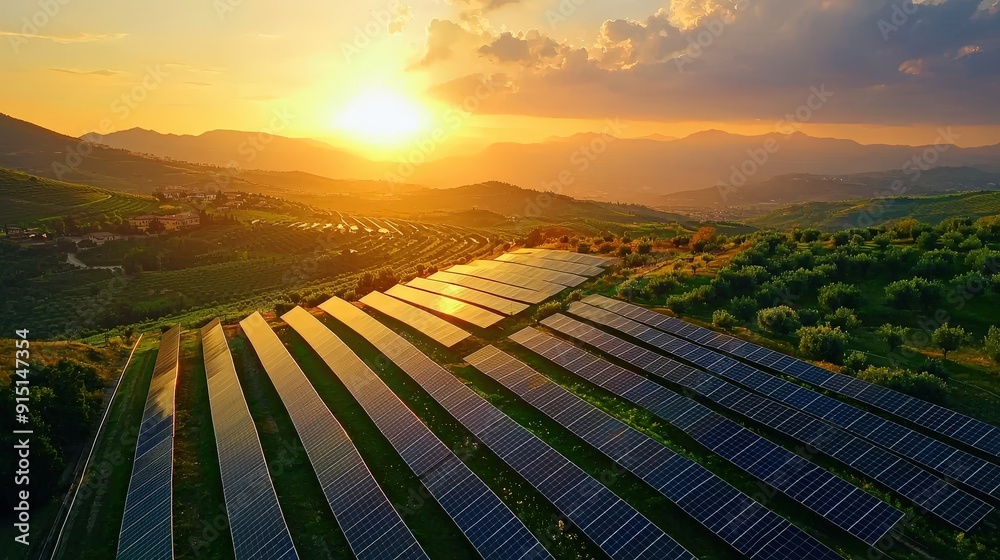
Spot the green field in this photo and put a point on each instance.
(29, 201)
(832, 216)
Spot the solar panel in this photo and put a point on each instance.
(550, 264)
(435, 327)
(612, 524)
(468, 295)
(714, 503)
(936, 496)
(566, 256)
(506, 277)
(508, 291)
(843, 504)
(255, 519)
(564, 278)
(933, 454)
(445, 305)
(484, 519)
(374, 530)
(147, 532)
(970, 431)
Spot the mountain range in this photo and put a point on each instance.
(664, 172)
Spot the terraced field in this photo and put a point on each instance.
(27, 200)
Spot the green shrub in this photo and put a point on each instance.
(948, 339)
(921, 385)
(778, 320)
(991, 344)
(855, 362)
(810, 317)
(892, 335)
(550, 308)
(723, 319)
(822, 343)
(844, 319)
(835, 296)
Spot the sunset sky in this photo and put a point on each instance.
(381, 75)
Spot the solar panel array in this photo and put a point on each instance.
(566, 256)
(486, 521)
(554, 276)
(468, 295)
(431, 325)
(552, 264)
(938, 419)
(750, 528)
(255, 519)
(844, 505)
(491, 273)
(616, 527)
(508, 291)
(374, 530)
(147, 532)
(445, 305)
(957, 464)
(952, 505)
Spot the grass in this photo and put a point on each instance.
(92, 531)
(201, 526)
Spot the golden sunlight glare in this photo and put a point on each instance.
(382, 116)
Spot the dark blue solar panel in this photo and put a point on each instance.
(714, 503)
(707, 427)
(803, 427)
(591, 506)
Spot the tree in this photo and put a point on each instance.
(893, 335)
(744, 308)
(548, 309)
(991, 344)
(844, 319)
(921, 385)
(835, 296)
(841, 238)
(156, 226)
(628, 289)
(914, 293)
(822, 343)
(723, 319)
(583, 248)
(948, 339)
(702, 238)
(778, 320)
(855, 362)
(645, 248)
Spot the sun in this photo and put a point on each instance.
(381, 116)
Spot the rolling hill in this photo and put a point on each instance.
(798, 187)
(27, 200)
(832, 216)
(599, 166)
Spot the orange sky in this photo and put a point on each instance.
(378, 76)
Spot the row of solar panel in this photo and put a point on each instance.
(494, 531)
(373, 528)
(147, 529)
(844, 505)
(954, 506)
(255, 519)
(970, 431)
(957, 464)
(611, 523)
(750, 528)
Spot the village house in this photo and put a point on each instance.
(171, 222)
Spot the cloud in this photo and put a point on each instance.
(99, 72)
(69, 39)
(400, 17)
(750, 60)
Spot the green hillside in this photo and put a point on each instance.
(29, 200)
(843, 215)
